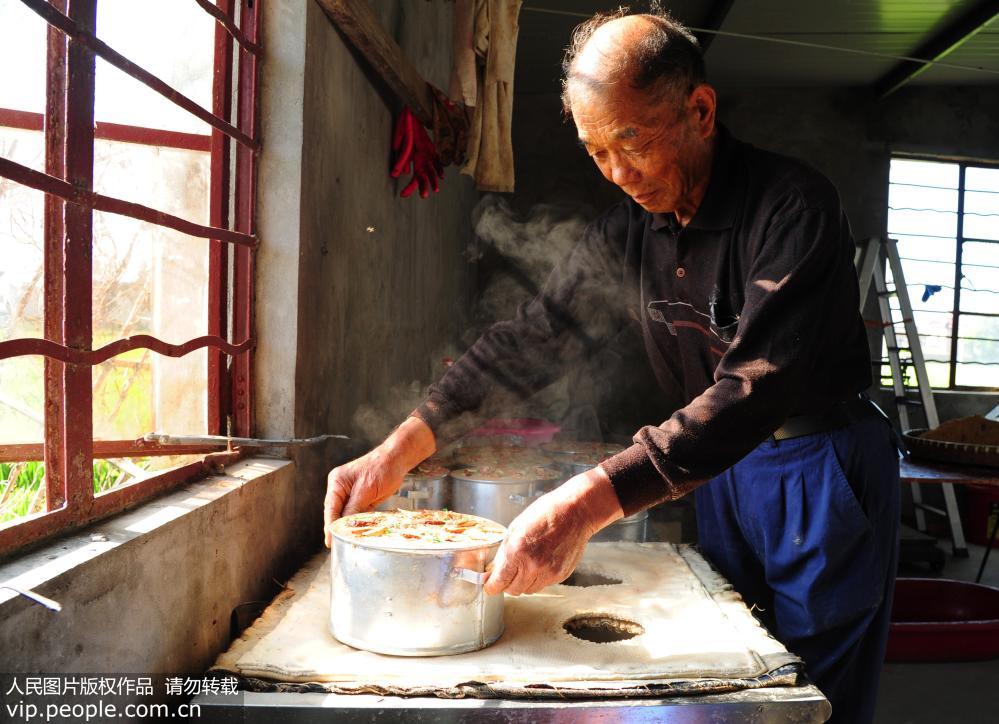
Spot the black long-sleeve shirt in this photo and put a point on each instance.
(750, 310)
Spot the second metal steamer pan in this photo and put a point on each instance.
(631, 528)
(500, 497)
(419, 490)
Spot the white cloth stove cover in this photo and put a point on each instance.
(696, 627)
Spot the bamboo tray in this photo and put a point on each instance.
(959, 453)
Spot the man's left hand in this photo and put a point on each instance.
(546, 541)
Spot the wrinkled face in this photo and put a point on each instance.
(657, 154)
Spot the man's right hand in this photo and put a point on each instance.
(359, 485)
(365, 482)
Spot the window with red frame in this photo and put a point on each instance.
(127, 163)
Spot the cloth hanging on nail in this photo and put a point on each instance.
(490, 148)
(463, 76)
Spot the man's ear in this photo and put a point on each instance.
(703, 101)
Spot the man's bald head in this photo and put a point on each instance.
(649, 53)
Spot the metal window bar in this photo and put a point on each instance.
(68, 124)
(219, 382)
(54, 128)
(247, 112)
(223, 13)
(944, 211)
(89, 358)
(948, 188)
(28, 121)
(956, 323)
(107, 449)
(82, 196)
(85, 36)
(77, 429)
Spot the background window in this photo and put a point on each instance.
(70, 447)
(945, 217)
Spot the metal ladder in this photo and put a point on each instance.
(870, 259)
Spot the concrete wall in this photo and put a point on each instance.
(382, 280)
(358, 289)
(360, 292)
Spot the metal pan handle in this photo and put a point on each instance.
(467, 574)
(525, 500)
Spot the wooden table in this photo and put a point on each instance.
(912, 471)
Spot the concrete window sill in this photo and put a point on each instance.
(151, 589)
(40, 566)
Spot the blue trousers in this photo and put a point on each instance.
(807, 531)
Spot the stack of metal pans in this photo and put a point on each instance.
(426, 486)
(499, 481)
(577, 457)
(632, 528)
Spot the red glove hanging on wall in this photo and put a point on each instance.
(415, 153)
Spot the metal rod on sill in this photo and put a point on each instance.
(36, 597)
(225, 441)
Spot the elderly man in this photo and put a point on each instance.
(739, 265)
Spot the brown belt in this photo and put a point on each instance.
(839, 415)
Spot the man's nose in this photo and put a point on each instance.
(622, 173)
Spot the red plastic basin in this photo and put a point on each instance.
(938, 619)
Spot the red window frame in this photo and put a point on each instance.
(67, 346)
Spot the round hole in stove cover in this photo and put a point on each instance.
(585, 579)
(602, 628)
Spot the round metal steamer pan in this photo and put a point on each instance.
(420, 492)
(410, 602)
(632, 528)
(577, 468)
(499, 500)
(570, 452)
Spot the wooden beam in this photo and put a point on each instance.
(938, 46)
(357, 20)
